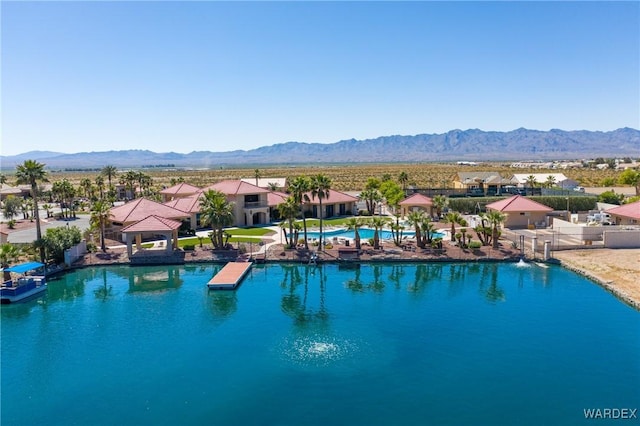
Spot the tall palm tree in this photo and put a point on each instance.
(299, 187)
(454, 218)
(440, 202)
(353, 224)
(415, 219)
(531, 182)
(130, 178)
(216, 212)
(372, 197)
(320, 187)
(378, 222)
(85, 184)
(288, 212)
(403, 178)
(99, 180)
(257, 175)
(109, 172)
(496, 219)
(31, 172)
(551, 180)
(99, 217)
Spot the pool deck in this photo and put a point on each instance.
(230, 276)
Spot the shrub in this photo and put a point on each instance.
(475, 244)
(189, 247)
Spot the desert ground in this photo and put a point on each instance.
(618, 270)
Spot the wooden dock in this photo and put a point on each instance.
(229, 277)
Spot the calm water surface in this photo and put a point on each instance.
(459, 344)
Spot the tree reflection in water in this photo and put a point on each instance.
(105, 290)
(491, 291)
(297, 306)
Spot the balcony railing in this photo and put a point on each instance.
(255, 205)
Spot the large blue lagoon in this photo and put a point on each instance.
(392, 344)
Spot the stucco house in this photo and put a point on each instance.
(521, 212)
(250, 202)
(561, 181)
(627, 214)
(337, 204)
(487, 183)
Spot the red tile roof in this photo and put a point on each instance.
(153, 224)
(518, 203)
(631, 210)
(189, 204)
(140, 208)
(180, 189)
(417, 200)
(276, 197)
(334, 197)
(236, 187)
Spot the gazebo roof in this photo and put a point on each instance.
(140, 208)
(631, 210)
(518, 203)
(417, 200)
(153, 224)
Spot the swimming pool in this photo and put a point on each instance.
(374, 344)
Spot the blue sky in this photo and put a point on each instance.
(220, 76)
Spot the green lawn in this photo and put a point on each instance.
(332, 222)
(250, 231)
(194, 241)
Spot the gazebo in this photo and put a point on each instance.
(154, 225)
(417, 202)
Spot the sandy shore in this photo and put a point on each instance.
(616, 270)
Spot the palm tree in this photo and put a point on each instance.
(299, 187)
(320, 187)
(495, 218)
(31, 172)
(403, 178)
(216, 212)
(454, 218)
(440, 202)
(378, 222)
(372, 197)
(3, 179)
(288, 212)
(109, 172)
(130, 179)
(100, 185)
(8, 254)
(257, 175)
(531, 182)
(551, 180)
(86, 184)
(353, 224)
(415, 219)
(99, 216)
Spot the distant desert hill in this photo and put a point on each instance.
(470, 145)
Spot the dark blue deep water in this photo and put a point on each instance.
(392, 344)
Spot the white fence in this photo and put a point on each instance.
(75, 253)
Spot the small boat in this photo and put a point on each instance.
(30, 282)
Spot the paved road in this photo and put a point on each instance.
(29, 235)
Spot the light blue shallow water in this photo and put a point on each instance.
(459, 344)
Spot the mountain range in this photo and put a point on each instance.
(455, 145)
